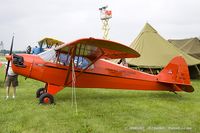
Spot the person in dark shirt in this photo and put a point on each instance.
(28, 49)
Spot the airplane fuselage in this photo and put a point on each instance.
(103, 74)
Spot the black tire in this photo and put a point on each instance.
(40, 91)
(46, 98)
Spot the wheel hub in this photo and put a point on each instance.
(46, 100)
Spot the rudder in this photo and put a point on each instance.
(176, 73)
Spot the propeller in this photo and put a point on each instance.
(8, 63)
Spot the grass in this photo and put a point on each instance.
(99, 111)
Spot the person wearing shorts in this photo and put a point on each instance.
(11, 79)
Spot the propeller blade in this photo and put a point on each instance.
(7, 67)
(11, 47)
(8, 63)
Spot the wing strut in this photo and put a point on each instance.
(73, 49)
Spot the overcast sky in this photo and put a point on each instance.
(67, 20)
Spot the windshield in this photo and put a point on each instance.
(49, 55)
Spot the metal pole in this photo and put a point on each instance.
(197, 69)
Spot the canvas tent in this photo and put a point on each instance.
(156, 52)
(190, 46)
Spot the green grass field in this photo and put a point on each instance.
(99, 111)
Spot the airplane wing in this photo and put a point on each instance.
(91, 48)
(50, 42)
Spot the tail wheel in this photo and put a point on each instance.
(40, 91)
(46, 98)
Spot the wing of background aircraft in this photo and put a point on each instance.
(93, 48)
(49, 42)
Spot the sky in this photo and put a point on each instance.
(68, 20)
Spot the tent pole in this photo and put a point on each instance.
(150, 70)
(197, 69)
(138, 68)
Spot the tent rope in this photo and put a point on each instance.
(74, 98)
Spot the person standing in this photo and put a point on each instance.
(28, 49)
(11, 79)
(37, 50)
(123, 62)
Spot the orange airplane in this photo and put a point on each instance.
(84, 59)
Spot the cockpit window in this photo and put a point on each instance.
(79, 61)
(64, 59)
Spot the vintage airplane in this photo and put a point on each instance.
(85, 58)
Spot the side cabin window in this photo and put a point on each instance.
(79, 61)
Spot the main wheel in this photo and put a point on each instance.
(40, 91)
(46, 98)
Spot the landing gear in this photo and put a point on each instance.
(45, 94)
(46, 98)
(40, 91)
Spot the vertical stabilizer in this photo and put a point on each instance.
(177, 73)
